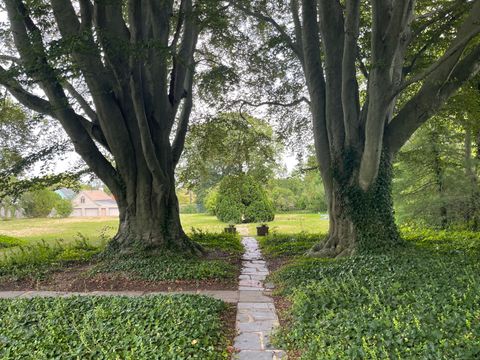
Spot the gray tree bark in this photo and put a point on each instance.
(356, 141)
(139, 75)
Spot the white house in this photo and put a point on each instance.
(94, 203)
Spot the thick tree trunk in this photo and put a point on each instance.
(150, 220)
(360, 221)
(439, 180)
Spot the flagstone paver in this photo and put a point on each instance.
(256, 315)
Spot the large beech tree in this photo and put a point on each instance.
(118, 76)
(374, 73)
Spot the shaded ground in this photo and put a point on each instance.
(78, 278)
(83, 267)
(417, 301)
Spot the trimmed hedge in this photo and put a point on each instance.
(241, 199)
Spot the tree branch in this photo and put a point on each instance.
(273, 103)
(455, 51)
(437, 88)
(350, 96)
(38, 66)
(262, 17)
(81, 101)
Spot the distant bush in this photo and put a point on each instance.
(241, 199)
(63, 207)
(284, 199)
(8, 241)
(227, 242)
(39, 203)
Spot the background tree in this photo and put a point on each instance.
(118, 76)
(39, 203)
(436, 173)
(63, 207)
(302, 190)
(374, 72)
(227, 144)
(29, 145)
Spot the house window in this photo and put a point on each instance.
(82, 200)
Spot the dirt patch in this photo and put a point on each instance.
(229, 317)
(283, 307)
(276, 263)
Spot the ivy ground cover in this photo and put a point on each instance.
(421, 301)
(152, 327)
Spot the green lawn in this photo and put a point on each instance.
(35, 230)
(292, 223)
(153, 327)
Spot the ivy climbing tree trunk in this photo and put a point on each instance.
(356, 139)
(122, 90)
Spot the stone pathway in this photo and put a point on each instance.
(256, 315)
(225, 295)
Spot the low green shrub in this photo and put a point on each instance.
(227, 242)
(171, 266)
(153, 327)
(443, 240)
(417, 302)
(282, 245)
(9, 241)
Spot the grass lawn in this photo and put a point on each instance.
(36, 230)
(291, 223)
(153, 327)
(419, 301)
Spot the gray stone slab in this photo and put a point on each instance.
(254, 355)
(31, 294)
(256, 306)
(251, 283)
(10, 294)
(258, 277)
(260, 355)
(249, 341)
(252, 271)
(259, 325)
(118, 293)
(257, 316)
(248, 288)
(253, 297)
